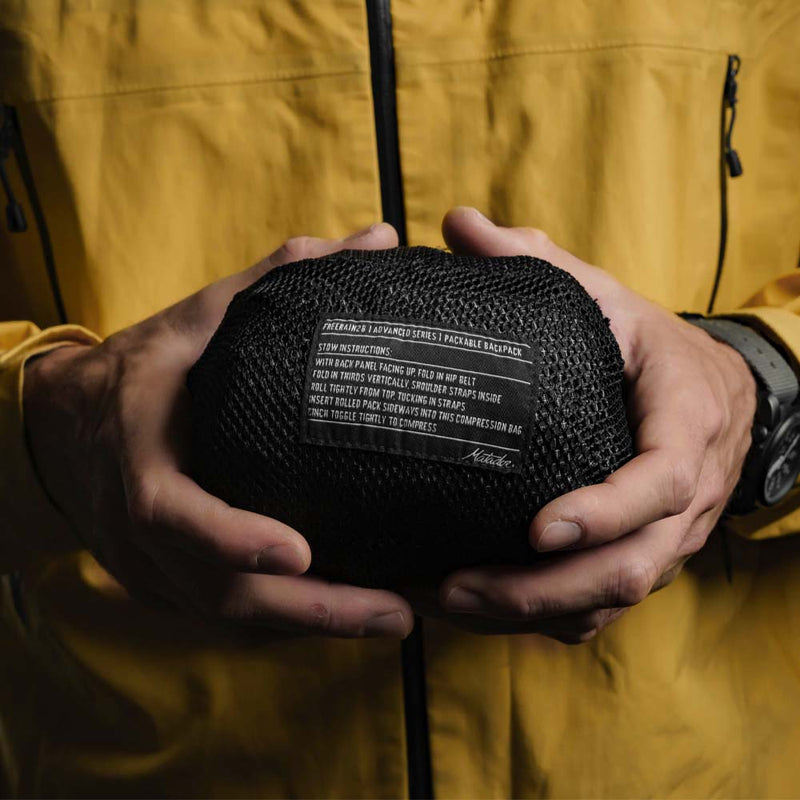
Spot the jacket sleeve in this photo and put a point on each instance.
(26, 512)
(774, 312)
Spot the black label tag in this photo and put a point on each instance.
(419, 389)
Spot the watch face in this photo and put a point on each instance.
(784, 462)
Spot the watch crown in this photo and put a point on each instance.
(768, 410)
(759, 433)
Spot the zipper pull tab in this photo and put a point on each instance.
(729, 100)
(734, 164)
(15, 216)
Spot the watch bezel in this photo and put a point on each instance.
(791, 420)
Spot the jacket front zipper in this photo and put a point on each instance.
(729, 164)
(379, 23)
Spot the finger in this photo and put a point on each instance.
(379, 236)
(166, 505)
(467, 231)
(204, 311)
(662, 481)
(657, 484)
(307, 605)
(615, 575)
(172, 509)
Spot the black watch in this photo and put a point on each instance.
(773, 462)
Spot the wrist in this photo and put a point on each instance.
(55, 401)
(772, 463)
(744, 388)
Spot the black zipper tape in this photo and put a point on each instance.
(381, 49)
(420, 775)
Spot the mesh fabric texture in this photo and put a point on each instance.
(382, 519)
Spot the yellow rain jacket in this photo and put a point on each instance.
(170, 142)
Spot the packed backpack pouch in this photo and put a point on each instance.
(408, 410)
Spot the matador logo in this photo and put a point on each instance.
(481, 456)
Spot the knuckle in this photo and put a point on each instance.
(297, 248)
(516, 602)
(682, 486)
(532, 606)
(319, 618)
(632, 584)
(537, 238)
(617, 509)
(142, 502)
(716, 494)
(714, 419)
(518, 605)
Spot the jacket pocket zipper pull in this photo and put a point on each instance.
(15, 217)
(729, 100)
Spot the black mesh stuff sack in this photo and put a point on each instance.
(409, 410)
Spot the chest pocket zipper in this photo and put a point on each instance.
(15, 217)
(11, 143)
(729, 101)
(730, 163)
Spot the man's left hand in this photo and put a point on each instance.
(691, 402)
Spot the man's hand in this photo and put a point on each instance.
(691, 402)
(108, 427)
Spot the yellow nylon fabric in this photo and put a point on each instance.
(26, 505)
(176, 141)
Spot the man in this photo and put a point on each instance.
(165, 146)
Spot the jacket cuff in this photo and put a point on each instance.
(24, 502)
(781, 328)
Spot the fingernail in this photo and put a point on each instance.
(282, 558)
(359, 234)
(391, 624)
(464, 601)
(559, 534)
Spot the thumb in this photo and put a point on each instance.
(202, 312)
(468, 232)
(380, 236)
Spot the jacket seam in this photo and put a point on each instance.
(275, 77)
(508, 53)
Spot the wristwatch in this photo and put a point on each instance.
(773, 462)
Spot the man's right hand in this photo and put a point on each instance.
(108, 429)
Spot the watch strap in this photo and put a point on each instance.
(768, 365)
